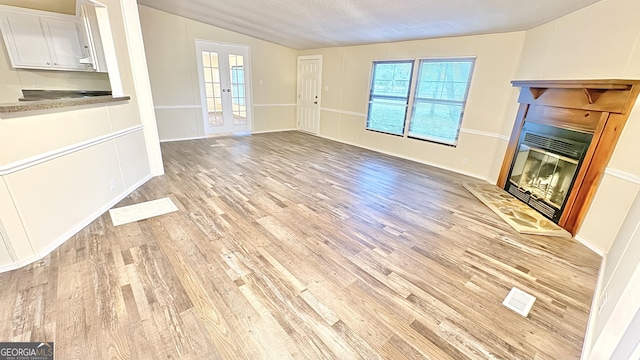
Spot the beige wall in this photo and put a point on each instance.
(58, 6)
(489, 113)
(57, 168)
(14, 80)
(171, 56)
(601, 41)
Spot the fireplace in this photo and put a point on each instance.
(545, 167)
(562, 140)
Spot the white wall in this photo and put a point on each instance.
(620, 279)
(171, 55)
(57, 167)
(489, 114)
(601, 41)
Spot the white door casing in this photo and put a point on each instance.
(225, 84)
(309, 90)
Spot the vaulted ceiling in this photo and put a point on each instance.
(306, 24)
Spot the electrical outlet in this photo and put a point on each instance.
(193, 130)
(326, 88)
(112, 184)
(603, 301)
(465, 160)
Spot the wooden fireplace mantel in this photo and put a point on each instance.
(599, 107)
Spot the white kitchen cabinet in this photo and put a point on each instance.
(26, 43)
(37, 42)
(65, 46)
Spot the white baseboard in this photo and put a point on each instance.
(214, 135)
(588, 338)
(457, 171)
(588, 244)
(9, 267)
(183, 139)
(273, 131)
(69, 234)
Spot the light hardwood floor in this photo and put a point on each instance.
(291, 246)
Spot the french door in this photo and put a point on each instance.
(224, 87)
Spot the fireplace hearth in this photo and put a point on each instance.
(562, 140)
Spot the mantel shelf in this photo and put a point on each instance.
(576, 84)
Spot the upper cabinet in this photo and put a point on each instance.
(65, 46)
(25, 40)
(37, 41)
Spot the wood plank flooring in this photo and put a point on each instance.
(289, 246)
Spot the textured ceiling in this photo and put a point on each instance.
(306, 24)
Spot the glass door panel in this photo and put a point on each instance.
(545, 175)
(238, 98)
(211, 72)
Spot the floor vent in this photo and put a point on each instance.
(519, 301)
(141, 211)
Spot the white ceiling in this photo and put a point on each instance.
(307, 24)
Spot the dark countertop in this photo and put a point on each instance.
(56, 104)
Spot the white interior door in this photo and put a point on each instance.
(309, 86)
(224, 87)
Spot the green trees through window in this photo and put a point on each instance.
(437, 104)
(389, 96)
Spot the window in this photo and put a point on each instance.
(439, 100)
(389, 96)
(437, 105)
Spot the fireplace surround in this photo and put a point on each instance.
(563, 137)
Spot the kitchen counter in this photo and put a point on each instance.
(22, 106)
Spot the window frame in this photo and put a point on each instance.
(390, 97)
(412, 98)
(462, 103)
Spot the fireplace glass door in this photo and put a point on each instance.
(545, 166)
(546, 176)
